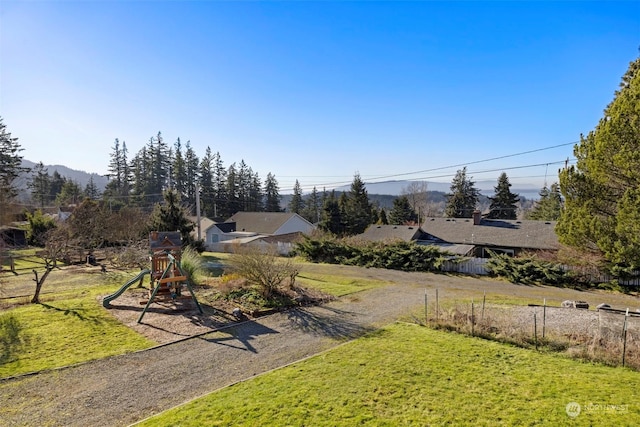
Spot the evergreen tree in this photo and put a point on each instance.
(119, 183)
(255, 194)
(91, 190)
(244, 177)
(171, 216)
(220, 193)
(402, 213)
(71, 194)
(313, 204)
(272, 194)
(207, 191)
(549, 206)
(382, 218)
(40, 185)
(503, 203)
(296, 204)
(331, 217)
(357, 208)
(55, 185)
(10, 168)
(179, 171)
(602, 191)
(233, 191)
(192, 177)
(463, 199)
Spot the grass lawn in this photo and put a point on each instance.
(337, 285)
(410, 375)
(70, 326)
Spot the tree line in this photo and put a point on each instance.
(596, 202)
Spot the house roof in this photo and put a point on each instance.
(381, 232)
(525, 234)
(261, 222)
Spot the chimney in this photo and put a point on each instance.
(477, 217)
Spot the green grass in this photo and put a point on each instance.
(67, 328)
(337, 285)
(410, 375)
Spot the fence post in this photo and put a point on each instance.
(426, 308)
(535, 328)
(472, 318)
(624, 335)
(484, 298)
(544, 316)
(437, 307)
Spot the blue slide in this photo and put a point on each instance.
(106, 300)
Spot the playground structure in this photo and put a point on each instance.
(166, 276)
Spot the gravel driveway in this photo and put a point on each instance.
(121, 390)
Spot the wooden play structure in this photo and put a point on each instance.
(167, 279)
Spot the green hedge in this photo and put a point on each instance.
(405, 256)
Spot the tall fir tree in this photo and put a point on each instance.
(296, 205)
(402, 213)
(504, 202)
(221, 197)
(192, 176)
(463, 199)
(40, 185)
(207, 192)
(10, 169)
(331, 216)
(91, 190)
(357, 210)
(271, 194)
(549, 206)
(312, 208)
(172, 216)
(179, 171)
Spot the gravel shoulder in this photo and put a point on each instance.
(121, 390)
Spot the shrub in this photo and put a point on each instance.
(405, 256)
(191, 264)
(262, 268)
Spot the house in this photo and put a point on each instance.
(271, 223)
(411, 233)
(275, 229)
(500, 236)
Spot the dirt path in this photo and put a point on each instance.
(121, 390)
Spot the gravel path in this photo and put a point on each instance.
(121, 390)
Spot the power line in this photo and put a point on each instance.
(458, 165)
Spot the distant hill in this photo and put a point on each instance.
(395, 188)
(80, 177)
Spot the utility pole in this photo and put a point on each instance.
(198, 212)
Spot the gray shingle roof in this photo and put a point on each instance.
(260, 222)
(407, 233)
(525, 234)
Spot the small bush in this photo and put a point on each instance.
(192, 264)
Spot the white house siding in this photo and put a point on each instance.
(295, 224)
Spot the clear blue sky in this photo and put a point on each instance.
(315, 91)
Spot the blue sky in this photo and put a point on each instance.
(316, 91)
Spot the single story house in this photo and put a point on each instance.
(500, 236)
(411, 233)
(271, 223)
(276, 229)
